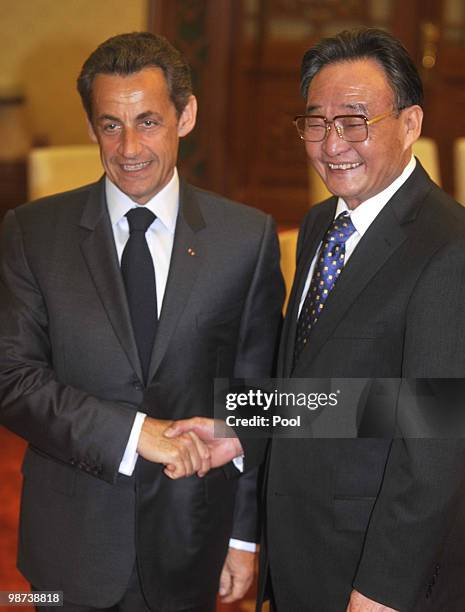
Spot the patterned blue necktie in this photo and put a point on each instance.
(327, 270)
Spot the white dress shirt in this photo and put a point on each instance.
(160, 238)
(362, 217)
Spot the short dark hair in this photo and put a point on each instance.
(128, 53)
(367, 43)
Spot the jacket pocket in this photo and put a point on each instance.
(352, 513)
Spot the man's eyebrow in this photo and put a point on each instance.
(357, 107)
(312, 107)
(140, 116)
(146, 114)
(108, 118)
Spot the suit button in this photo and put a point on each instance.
(72, 461)
(137, 384)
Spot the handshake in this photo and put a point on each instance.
(188, 446)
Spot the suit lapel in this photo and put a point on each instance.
(186, 259)
(99, 251)
(324, 217)
(382, 239)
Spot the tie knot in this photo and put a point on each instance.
(140, 219)
(341, 229)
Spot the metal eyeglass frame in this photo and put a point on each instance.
(339, 129)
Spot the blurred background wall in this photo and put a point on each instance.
(43, 45)
(246, 58)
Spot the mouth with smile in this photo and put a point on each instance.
(135, 167)
(343, 165)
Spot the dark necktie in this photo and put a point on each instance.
(139, 279)
(327, 270)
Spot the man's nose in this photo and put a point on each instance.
(334, 144)
(129, 145)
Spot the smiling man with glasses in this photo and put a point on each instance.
(379, 292)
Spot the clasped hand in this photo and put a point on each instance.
(183, 455)
(188, 446)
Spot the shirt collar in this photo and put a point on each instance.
(366, 212)
(164, 204)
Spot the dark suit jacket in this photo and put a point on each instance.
(70, 382)
(384, 517)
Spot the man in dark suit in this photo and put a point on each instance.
(120, 302)
(370, 525)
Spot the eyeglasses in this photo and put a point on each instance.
(351, 128)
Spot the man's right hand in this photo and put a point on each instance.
(183, 456)
(221, 440)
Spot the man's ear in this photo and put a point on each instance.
(188, 117)
(413, 118)
(91, 132)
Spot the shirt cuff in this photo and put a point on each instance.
(241, 545)
(239, 463)
(128, 462)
